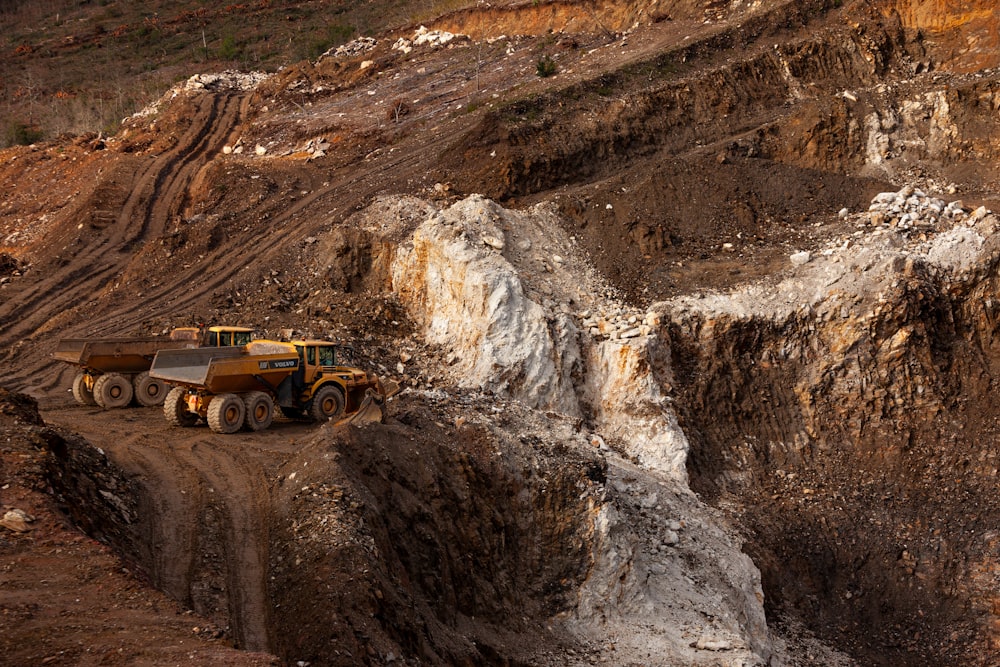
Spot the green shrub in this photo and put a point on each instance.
(21, 134)
(229, 49)
(545, 67)
(318, 44)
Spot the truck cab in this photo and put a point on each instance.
(218, 336)
(228, 336)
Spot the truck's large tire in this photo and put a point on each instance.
(327, 403)
(113, 390)
(148, 391)
(259, 409)
(81, 393)
(226, 413)
(175, 408)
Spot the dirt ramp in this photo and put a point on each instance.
(71, 599)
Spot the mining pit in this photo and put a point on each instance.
(697, 335)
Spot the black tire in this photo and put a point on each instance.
(327, 403)
(148, 391)
(259, 410)
(113, 390)
(175, 409)
(226, 413)
(81, 393)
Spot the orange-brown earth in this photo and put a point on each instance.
(689, 146)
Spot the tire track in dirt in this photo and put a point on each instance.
(240, 484)
(156, 192)
(349, 189)
(167, 525)
(203, 532)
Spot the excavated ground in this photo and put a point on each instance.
(686, 151)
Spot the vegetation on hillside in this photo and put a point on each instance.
(77, 66)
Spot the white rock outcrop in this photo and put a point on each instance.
(470, 301)
(518, 312)
(499, 310)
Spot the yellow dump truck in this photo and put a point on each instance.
(114, 371)
(234, 388)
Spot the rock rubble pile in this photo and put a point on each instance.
(227, 80)
(425, 37)
(913, 209)
(619, 324)
(353, 48)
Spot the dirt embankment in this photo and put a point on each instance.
(68, 598)
(681, 156)
(430, 538)
(454, 539)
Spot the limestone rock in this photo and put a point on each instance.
(17, 520)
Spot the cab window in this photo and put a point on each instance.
(311, 355)
(213, 339)
(241, 338)
(326, 356)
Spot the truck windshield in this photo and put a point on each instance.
(326, 356)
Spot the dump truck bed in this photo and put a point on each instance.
(114, 355)
(223, 369)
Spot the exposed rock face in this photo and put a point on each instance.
(466, 280)
(885, 131)
(461, 279)
(783, 389)
(631, 407)
(863, 369)
(470, 301)
(961, 33)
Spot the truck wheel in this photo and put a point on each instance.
(260, 410)
(175, 408)
(148, 391)
(226, 413)
(81, 393)
(328, 403)
(112, 390)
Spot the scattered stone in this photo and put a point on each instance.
(352, 48)
(912, 209)
(493, 242)
(713, 644)
(434, 38)
(17, 521)
(800, 258)
(227, 80)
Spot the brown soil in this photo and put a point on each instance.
(661, 146)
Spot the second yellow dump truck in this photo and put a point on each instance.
(240, 387)
(115, 371)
